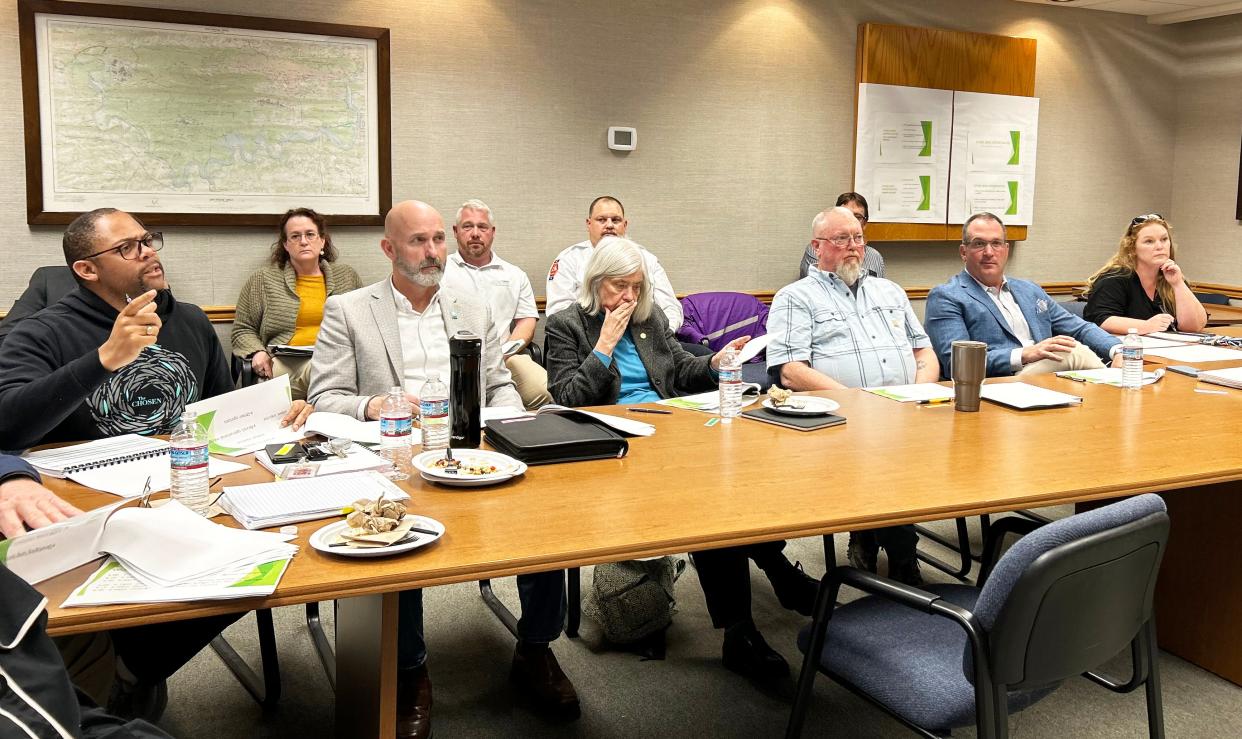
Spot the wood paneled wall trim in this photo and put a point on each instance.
(225, 313)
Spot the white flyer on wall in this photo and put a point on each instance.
(902, 152)
(995, 140)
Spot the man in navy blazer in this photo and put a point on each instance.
(1027, 332)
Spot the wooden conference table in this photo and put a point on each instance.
(691, 487)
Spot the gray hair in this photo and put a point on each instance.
(475, 204)
(615, 256)
(984, 216)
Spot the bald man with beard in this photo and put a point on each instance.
(395, 333)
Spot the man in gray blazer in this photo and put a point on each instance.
(394, 333)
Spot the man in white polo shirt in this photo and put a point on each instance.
(605, 217)
(508, 291)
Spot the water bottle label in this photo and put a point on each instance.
(731, 375)
(1132, 352)
(434, 408)
(189, 458)
(396, 427)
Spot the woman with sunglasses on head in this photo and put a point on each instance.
(282, 303)
(1141, 287)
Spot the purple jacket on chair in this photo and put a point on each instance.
(715, 319)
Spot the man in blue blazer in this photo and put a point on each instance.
(1027, 332)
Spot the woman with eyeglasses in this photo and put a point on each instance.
(282, 303)
(1141, 286)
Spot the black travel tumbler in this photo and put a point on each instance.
(465, 397)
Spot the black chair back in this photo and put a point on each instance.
(1079, 603)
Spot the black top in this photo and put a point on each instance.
(1121, 294)
(53, 387)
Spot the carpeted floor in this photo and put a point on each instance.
(688, 694)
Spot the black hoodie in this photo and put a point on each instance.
(53, 387)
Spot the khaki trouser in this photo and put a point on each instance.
(531, 380)
(298, 369)
(1078, 358)
(90, 662)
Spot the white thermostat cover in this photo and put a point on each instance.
(622, 138)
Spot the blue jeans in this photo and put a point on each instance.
(543, 616)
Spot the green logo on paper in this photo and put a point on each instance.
(925, 184)
(1012, 210)
(927, 139)
(264, 574)
(1015, 138)
(4, 550)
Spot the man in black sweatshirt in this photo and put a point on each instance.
(118, 355)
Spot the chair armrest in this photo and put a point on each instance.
(869, 582)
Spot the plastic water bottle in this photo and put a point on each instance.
(396, 432)
(189, 464)
(730, 385)
(1132, 360)
(433, 403)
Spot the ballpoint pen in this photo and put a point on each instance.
(650, 410)
(145, 502)
(936, 401)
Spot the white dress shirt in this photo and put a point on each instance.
(506, 286)
(424, 343)
(569, 267)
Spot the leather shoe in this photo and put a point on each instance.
(746, 653)
(413, 703)
(537, 673)
(795, 589)
(138, 700)
(863, 551)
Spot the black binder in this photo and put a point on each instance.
(554, 437)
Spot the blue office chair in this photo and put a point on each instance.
(1064, 599)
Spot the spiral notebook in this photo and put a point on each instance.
(119, 465)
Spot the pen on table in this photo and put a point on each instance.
(650, 410)
(1075, 379)
(146, 494)
(936, 401)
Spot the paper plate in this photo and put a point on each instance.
(506, 467)
(811, 406)
(323, 538)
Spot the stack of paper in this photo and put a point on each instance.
(1023, 396)
(172, 545)
(112, 583)
(1196, 353)
(1108, 376)
(923, 392)
(158, 554)
(1229, 377)
(709, 402)
(277, 503)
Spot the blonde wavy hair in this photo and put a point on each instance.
(1125, 261)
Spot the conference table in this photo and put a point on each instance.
(693, 486)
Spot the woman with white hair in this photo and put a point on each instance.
(612, 347)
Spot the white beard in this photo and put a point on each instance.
(849, 271)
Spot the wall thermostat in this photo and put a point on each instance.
(621, 138)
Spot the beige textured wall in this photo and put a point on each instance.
(745, 118)
(1205, 163)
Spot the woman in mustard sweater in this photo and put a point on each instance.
(282, 303)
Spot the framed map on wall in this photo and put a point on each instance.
(202, 119)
